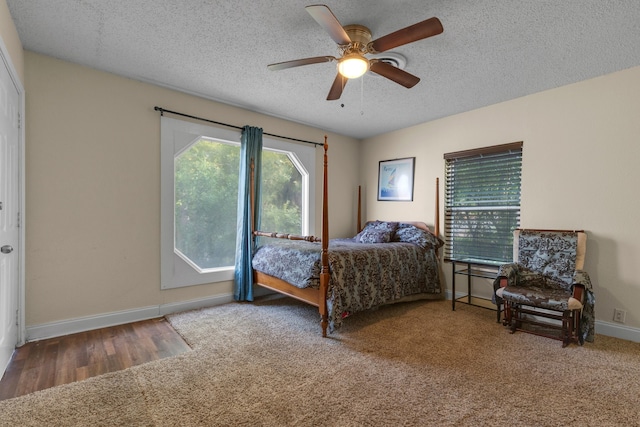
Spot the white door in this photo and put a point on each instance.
(9, 210)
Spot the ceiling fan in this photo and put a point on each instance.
(354, 42)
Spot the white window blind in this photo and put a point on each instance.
(482, 202)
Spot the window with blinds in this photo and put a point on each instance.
(482, 202)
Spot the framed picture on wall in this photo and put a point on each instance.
(395, 179)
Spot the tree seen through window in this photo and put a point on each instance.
(206, 196)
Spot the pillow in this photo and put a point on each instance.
(377, 232)
(552, 253)
(411, 234)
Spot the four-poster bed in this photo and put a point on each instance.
(386, 262)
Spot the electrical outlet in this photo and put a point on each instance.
(619, 315)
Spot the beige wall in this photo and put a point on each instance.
(10, 38)
(580, 171)
(93, 188)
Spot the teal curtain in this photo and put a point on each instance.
(250, 152)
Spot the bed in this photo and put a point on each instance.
(385, 262)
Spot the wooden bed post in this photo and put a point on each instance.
(324, 272)
(436, 224)
(359, 210)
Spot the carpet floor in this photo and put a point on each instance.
(410, 364)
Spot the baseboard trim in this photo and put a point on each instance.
(617, 331)
(176, 307)
(82, 324)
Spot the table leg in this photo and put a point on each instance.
(469, 283)
(453, 286)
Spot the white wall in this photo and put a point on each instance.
(580, 171)
(93, 190)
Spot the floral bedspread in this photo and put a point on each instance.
(363, 275)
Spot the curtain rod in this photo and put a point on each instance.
(162, 111)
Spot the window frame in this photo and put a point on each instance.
(505, 156)
(175, 136)
(305, 177)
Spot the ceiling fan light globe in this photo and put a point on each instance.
(353, 66)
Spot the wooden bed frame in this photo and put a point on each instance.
(318, 297)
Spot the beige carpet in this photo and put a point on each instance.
(413, 364)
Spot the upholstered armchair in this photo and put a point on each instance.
(545, 288)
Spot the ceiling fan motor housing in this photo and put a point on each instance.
(358, 34)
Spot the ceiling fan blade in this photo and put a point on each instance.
(337, 87)
(327, 20)
(394, 73)
(299, 62)
(415, 32)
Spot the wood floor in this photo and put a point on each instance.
(47, 363)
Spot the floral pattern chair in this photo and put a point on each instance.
(545, 286)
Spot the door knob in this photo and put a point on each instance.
(6, 249)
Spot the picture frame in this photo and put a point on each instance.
(395, 179)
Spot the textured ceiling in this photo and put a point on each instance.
(490, 51)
